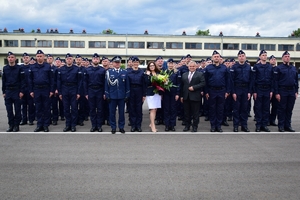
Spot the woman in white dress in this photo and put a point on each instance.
(153, 99)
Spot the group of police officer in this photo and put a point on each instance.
(43, 91)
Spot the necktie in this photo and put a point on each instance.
(190, 76)
(117, 71)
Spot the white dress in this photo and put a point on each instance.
(154, 101)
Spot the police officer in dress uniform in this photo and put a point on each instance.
(28, 108)
(217, 89)
(69, 83)
(171, 97)
(241, 91)
(54, 98)
(137, 94)
(117, 92)
(286, 91)
(262, 91)
(13, 86)
(94, 79)
(274, 102)
(58, 64)
(41, 88)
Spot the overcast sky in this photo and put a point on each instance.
(269, 18)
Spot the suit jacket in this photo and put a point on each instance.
(197, 82)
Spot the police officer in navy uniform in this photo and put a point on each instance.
(286, 91)
(170, 97)
(117, 91)
(263, 83)
(69, 83)
(217, 89)
(274, 101)
(28, 108)
(94, 79)
(105, 65)
(241, 91)
(136, 78)
(41, 88)
(58, 64)
(13, 85)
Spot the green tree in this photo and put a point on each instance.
(295, 33)
(32, 31)
(108, 31)
(203, 33)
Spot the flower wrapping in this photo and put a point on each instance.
(161, 82)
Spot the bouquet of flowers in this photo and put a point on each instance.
(161, 82)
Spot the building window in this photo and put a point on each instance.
(298, 47)
(212, 46)
(0, 43)
(27, 43)
(193, 45)
(231, 46)
(116, 44)
(97, 44)
(267, 47)
(249, 46)
(136, 45)
(44, 43)
(285, 47)
(61, 44)
(77, 44)
(155, 45)
(11, 43)
(174, 45)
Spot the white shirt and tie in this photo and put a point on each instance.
(190, 76)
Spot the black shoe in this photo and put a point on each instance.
(212, 129)
(172, 128)
(10, 129)
(67, 128)
(139, 129)
(93, 129)
(86, 119)
(257, 129)
(54, 123)
(81, 123)
(62, 119)
(264, 128)
(16, 129)
(38, 129)
(235, 129)
(30, 123)
(23, 123)
(73, 129)
(99, 129)
(187, 128)
(167, 128)
(194, 129)
(280, 129)
(113, 131)
(46, 129)
(206, 118)
(229, 119)
(219, 130)
(245, 129)
(225, 123)
(122, 130)
(132, 129)
(289, 129)
(272, 123)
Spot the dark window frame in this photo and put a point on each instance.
(44, 41)
(100, 46)
(159, 45)
(8, 42)
(174, 45)
(132, 45)
(212, 46)
(188, 45)
(116, 44)
(246, 46)
(78, 44)
(57, 43)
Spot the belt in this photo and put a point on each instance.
(264, 86)
(12, 88)
(95, 86)
(135, 86)
(41, 86)
(70, 84)
(287, 87)
(217, 88)
(241, 84)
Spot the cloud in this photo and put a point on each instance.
(278, 18)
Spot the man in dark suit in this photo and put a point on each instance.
(191, 84)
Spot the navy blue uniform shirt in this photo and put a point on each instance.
(40, 74)
(13, 77)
